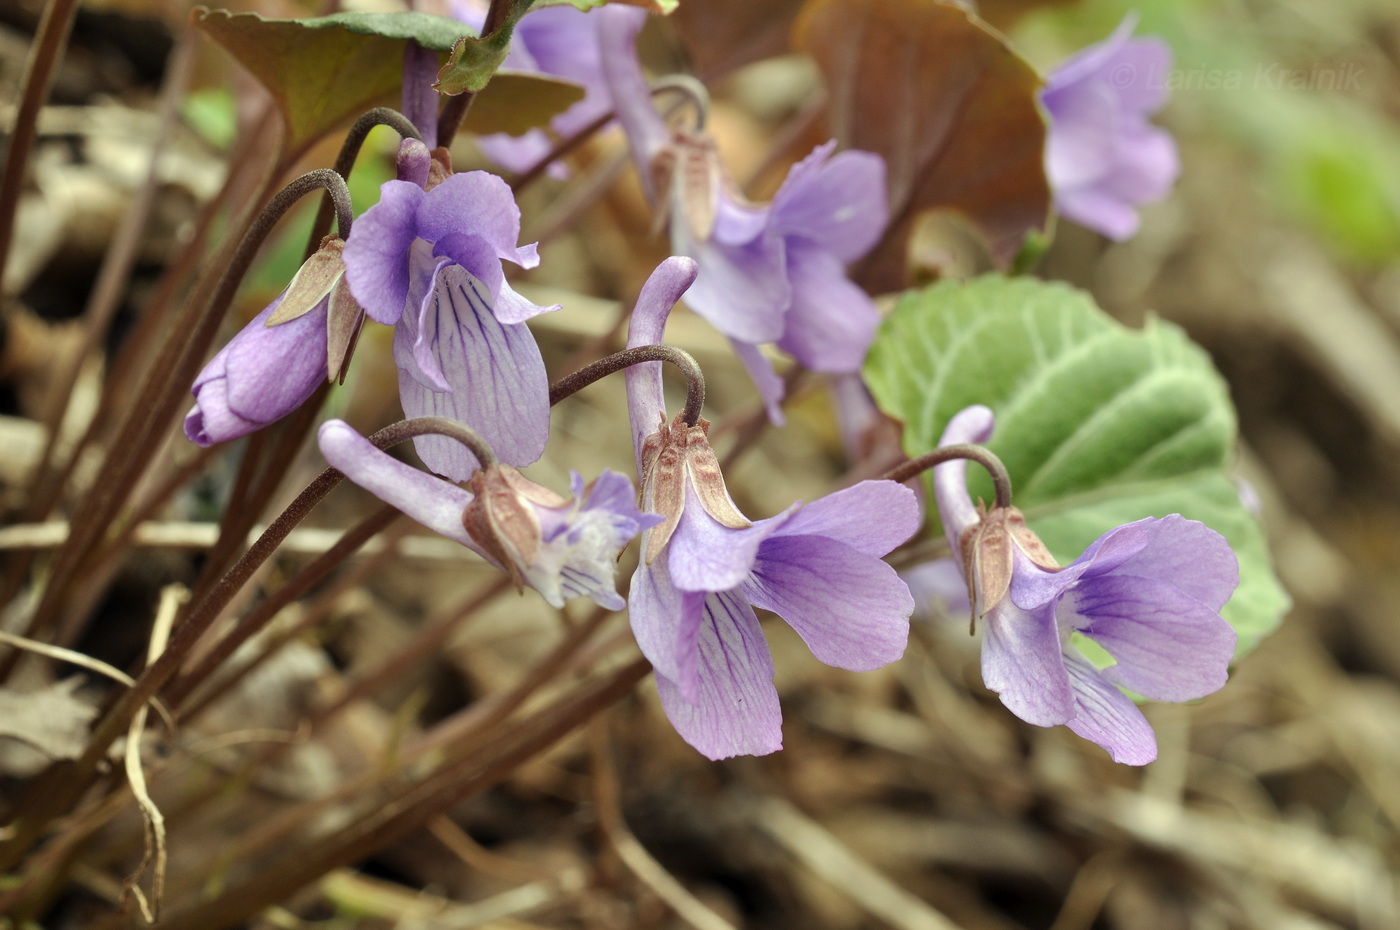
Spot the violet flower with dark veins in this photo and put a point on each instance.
(1148, 592)
(429, 264)
(561, 547)
(768, 272)
(1102, 155)
(559, 41)
(706, 567)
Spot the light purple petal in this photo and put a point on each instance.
(564, 42)
(1082, 141)
(435, 503)
(666, 623)
(517, 154)
(1032, 586)
(498, 382)
(1169, 646)
(1104, 715)
(376, 254)
(475, 203)
(872, 517)
(645, 401)
(735, 711)
(939, 590)
(1090, 61)
(478, 257)
(970, 425)
(770, 386)
(830, 323)
(1146, 168)
(1103, 212)
(1022, 662)
(837, 205)
(851, 609)
(707, 556)
(1191, 557)
(646, 130)
(741, 290)
(580, 542)
(272, 370)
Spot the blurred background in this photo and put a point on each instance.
(904, 798)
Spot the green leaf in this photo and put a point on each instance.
(1098, 424)
(325, 71)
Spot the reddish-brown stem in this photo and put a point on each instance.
(611, 364)
(979, 454)
(44, 54)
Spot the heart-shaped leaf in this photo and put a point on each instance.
(1099, 425)
(325, 71)
(949, 105)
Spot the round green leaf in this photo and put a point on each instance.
(1098, 424)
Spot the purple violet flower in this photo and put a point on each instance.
(1148, 592)
(429, 264)
(559, 41)
(261, 375)
(1102, 156)
(768, 272)
(561, 547)
(706, 567)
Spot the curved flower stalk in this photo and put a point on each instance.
(561, 547)
(1102, 155)
(769, 273)
(1149, 593)
(429, 264)
(706, 567)
(560, 41)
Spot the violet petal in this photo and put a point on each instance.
(850, 609)
(1105, 715)
(498, 382)
(376, 253)
(735, 711)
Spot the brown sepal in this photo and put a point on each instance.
(312, 282)
(699, 178)
(989, 556)
(440, 168)
(663, 483)
(501, 521)
(703, 467)
(344, 320)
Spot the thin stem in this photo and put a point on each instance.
(345, 162)
(694, 378)
(408, 804)
(303, 581)
(66, 788)
(687, 87)
(561, 148)
(454, 111)
(44, 54)
(979, 454)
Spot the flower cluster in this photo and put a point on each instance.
(768, 273)
(427, 259)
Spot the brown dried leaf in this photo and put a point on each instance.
(54, 720)
(951, 108)
(723, 35)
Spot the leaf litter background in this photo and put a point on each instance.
(905, 798)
